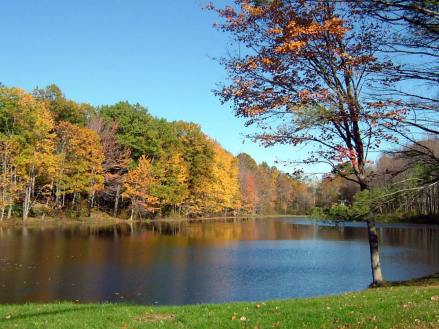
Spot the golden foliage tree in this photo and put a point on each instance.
(139, 184)
(27, 125)
(224, 186)
(80, 162)
(173, 175)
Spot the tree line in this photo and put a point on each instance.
(402, 187)
(62, 158)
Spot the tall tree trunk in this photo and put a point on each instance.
(2, 214)
(10, 211)
(377, 276)
(132, 211)
(374, 253)
(5, 188)
(57, 194)
(29, 190)
(14, 184)
(92, 200)
(26, 201)
(116, 201)
(10, 208)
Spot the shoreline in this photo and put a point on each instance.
(100, 220)
(408, 304)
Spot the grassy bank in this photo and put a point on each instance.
(404, 305)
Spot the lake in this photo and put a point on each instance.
(205, 262)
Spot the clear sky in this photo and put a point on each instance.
(157, 53)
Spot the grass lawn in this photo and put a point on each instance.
(412, 304)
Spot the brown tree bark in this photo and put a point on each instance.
(375, 263)
(374, 254)
(116, 201)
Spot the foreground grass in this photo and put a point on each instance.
(405, 305)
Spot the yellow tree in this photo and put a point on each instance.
(139, 184)
(80, 163)
(8, 186)
(28, 124)
(173, 174)
(266, 181)
(224, 186)
(198, 155)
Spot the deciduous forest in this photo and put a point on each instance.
(64, 159)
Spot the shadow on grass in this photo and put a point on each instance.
(424, 281)
(49, 313)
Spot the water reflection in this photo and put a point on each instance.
(197, 262)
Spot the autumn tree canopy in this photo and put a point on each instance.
(301, 77)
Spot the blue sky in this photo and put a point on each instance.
(157, 53)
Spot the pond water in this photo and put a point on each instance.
(205, 262)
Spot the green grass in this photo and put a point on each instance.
(405, 305)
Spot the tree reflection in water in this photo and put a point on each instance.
(203, 261)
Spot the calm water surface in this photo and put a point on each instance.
(206, 262)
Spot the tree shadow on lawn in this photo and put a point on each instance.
(48, 313)
(424, 281)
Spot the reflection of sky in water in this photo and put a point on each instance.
(204, 262)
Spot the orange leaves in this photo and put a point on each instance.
(358, 60)
(289, 46)
(267, 62)
(297, 33)
(336, 26)
(80, 157)
(252, 64)
(306, 95)
(300, 79)
(256, 110)
(275, 31)
(138, 185)
(302, 28)
(252, 10)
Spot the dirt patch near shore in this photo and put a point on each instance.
(155, 317)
